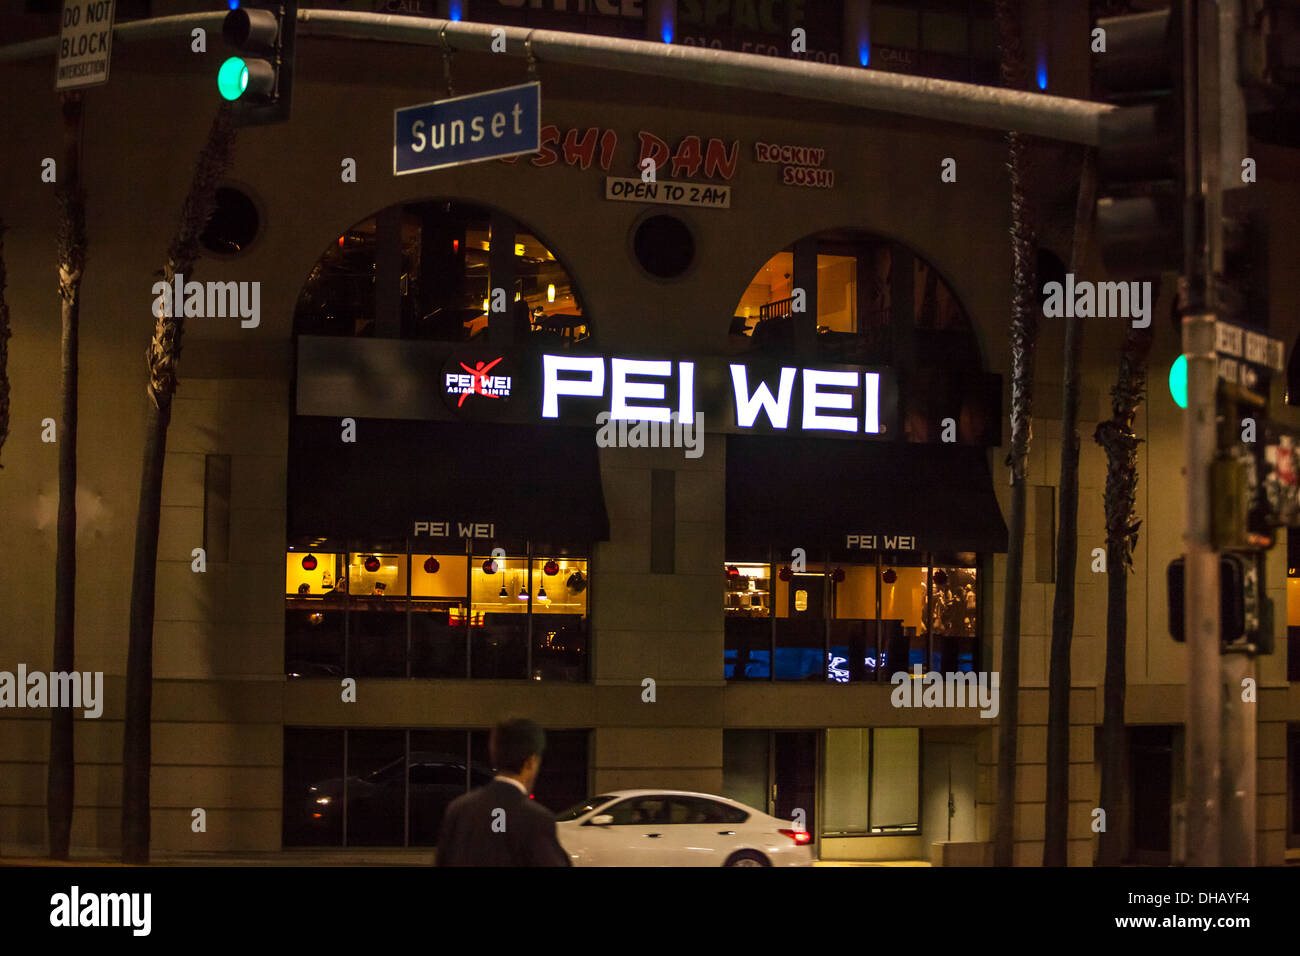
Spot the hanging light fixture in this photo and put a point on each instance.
(431, 565)
(890, 576)
(541, 593)
(490, 567)
(309, 563)
(503, 593)
(372, 564)
(550, 292)
(551, 568)
(523, 591)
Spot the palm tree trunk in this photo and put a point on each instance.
(60, 770)
(4, 345)
(164, 353)
(1057, 811)
(1024, 334)
(1116, 436)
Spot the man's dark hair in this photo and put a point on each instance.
(513, 741)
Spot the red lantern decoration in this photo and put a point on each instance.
(784, 573)
(489, 566)
(431, 565)
(941, 577)
(309, 563)
(733, 571)
(551, 568)
(371, 564)
(838, 575)
(890, 576)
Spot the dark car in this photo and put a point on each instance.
(377, 801)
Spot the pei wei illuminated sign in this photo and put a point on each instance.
(786, 399)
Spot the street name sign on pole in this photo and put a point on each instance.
(467, 129)
(85, 44)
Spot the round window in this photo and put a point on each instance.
(664, 246)
(233, 225)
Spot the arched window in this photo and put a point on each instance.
(443, 270)
(850, 297)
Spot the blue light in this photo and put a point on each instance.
(864, 53)
(667, 33)
(1042, 76)
(233, 4)
(454, 11)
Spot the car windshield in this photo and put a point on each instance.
(582, 808)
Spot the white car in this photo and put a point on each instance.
(678, 828)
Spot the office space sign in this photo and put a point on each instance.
(467, 129)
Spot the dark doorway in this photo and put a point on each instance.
(1293, 786)
(794, 776)
(1152, 762)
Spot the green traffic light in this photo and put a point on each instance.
(232, 78)
(1178, 381)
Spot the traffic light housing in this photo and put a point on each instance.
(258, 79)
(1270, 68)
(1245, 611)
(1140, 164)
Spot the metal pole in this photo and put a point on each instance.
(1202, 561)
(988, 107)
(1239, 750)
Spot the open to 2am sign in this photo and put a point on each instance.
(85, 42)
(467, 129)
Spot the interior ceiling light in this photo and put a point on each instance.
(503, 592)
(541, 593)
(523, 593)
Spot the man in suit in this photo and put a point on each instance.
(498, 824)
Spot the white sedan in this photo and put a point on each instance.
(678, 828)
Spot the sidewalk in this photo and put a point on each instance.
(366, 856)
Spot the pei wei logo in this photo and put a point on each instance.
(477, 378)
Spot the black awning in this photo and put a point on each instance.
(529, 482)
(813, 493)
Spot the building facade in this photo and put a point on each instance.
(417, 510)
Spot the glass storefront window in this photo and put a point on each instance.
(895, 780)
(383, 612)
(954, 612)
(865, 617)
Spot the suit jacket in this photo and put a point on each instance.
(473, 834)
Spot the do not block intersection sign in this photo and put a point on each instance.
(85, 44)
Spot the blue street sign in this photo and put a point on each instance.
(467, 129)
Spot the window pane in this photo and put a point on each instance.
(313, 642)
(954, 614)
(565, 591)
(747, 648)
(376, 575)
(896, 780)
(562, 781)
(498, 648)
(837, 293)
(745, 767)
(313, 787)
(437, 777)
(893, 26)
(377, 642)
(560, 619)
(748, 591)
(902, 613)
(944, 32)
(848, 759)
(438, 606)
(376, 799)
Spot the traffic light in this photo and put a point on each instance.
(1138, 67)
(258, 80)
(1245, 612)
(1270, 67)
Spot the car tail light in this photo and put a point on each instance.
(800, 837)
